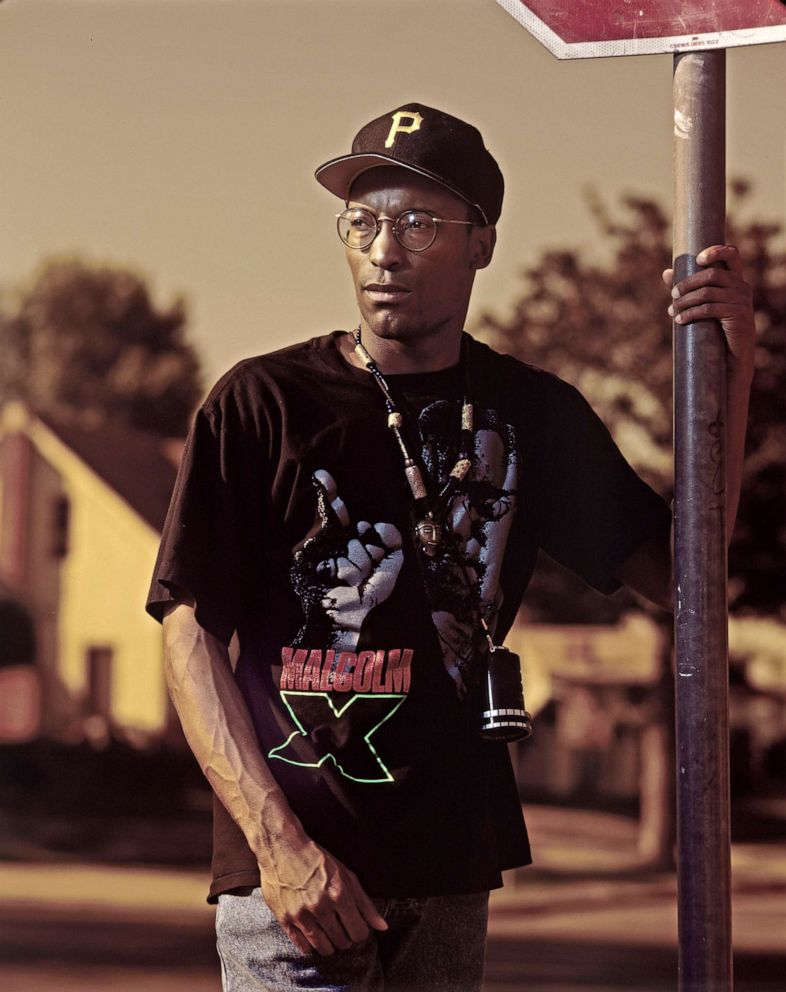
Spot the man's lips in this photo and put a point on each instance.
(386, 292)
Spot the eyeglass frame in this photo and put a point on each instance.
(394, 221)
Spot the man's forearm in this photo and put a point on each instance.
(219, 731)
(318, 900)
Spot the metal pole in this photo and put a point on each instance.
(704, 884)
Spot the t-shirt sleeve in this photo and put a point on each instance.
(596, 509)
(204, 545)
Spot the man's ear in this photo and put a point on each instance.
(484, 240)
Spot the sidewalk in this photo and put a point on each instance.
(584, 881)
(582, 917)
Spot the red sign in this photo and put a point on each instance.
(580, 29)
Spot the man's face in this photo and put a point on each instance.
(405, 295)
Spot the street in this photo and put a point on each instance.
(583, 920)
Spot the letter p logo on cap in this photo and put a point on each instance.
(448, 150)
(397, 127)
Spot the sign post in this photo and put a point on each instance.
(700, 613)
(696, 32)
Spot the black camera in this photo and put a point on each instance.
(502, 713)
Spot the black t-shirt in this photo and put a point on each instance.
(292, 524)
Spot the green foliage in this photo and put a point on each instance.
(602, 325)
(87, 343)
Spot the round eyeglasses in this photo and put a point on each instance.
(414, 230)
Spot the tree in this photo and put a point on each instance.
(602, 325)
(87, 343)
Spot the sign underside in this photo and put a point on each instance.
(581, 29)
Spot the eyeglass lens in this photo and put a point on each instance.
(414, 229)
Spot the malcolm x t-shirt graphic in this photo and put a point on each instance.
(337, 697)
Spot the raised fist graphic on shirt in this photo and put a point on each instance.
(343, 571)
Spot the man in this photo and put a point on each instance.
(364, 511)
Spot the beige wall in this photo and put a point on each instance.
(104, 579)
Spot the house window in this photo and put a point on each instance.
(17, 635)
(61, 513)
(99, 681)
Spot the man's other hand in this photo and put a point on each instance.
(319, 902)
(717, 291)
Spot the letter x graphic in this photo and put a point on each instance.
(327, 732)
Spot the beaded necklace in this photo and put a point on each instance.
(430, 511)
(497, 670)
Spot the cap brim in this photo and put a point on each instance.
(339, 174)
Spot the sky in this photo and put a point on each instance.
(179, 138)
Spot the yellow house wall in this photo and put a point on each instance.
(43, 591)
(103, 585)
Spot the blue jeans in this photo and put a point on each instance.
(431, 944)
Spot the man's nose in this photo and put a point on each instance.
(385, 252)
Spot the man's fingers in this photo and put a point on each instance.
(333, 930)
(720, 253)
(367, 909)
(357, 911)
(374, 920)
(306, 934)
(711, 311)
(712, 277)
(320, 935)
(353, 922)
(336, 923)
(724, 257)
(708, 295)
(298, 939)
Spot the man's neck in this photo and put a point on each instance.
(396, 357)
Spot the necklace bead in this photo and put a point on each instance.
(461, 469)
(430, 530)
(415, 479)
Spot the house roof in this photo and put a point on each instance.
(141, 468)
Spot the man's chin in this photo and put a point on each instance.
(391, 327)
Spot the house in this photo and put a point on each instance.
(81, 512)
(591, 690)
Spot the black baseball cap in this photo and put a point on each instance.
(427, 141)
